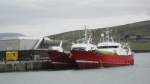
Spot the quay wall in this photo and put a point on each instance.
(20, 66)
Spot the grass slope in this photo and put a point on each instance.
(138, 28)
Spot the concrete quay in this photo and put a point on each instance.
(21, 66)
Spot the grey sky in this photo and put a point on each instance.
(46, 17)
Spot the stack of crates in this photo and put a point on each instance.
(12, 55)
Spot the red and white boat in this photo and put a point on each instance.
(108, 53)
(114, 53)
(59, 59)
(84, 54)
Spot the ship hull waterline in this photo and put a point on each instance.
(90, 59)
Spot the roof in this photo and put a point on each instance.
(19, 38)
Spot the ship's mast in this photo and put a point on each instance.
(107, 35)
(102, 37)
(85, 34)
(60, 45)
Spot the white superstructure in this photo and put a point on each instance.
(57, 48)
(108, 44)
(85, 45)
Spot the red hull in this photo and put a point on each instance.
(117, 60)
(90, 59)
(60, 60)
(86, 59)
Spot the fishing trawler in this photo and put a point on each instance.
(108, 53)
(59, 59)
(84, 53)
(113, 53)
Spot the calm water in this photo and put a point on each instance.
(137, 74)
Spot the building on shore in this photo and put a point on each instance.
(23, 43)
(28, 48)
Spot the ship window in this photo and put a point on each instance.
(79, 48)
(107, 47)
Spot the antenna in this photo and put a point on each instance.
(85, 33)
(89, 39)
(107, 35)
(102, 36)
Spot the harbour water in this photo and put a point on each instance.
(136, 74)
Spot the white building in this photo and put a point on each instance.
(21, 43)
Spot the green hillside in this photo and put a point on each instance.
(137, 34)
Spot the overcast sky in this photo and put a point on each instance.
(47, 17)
